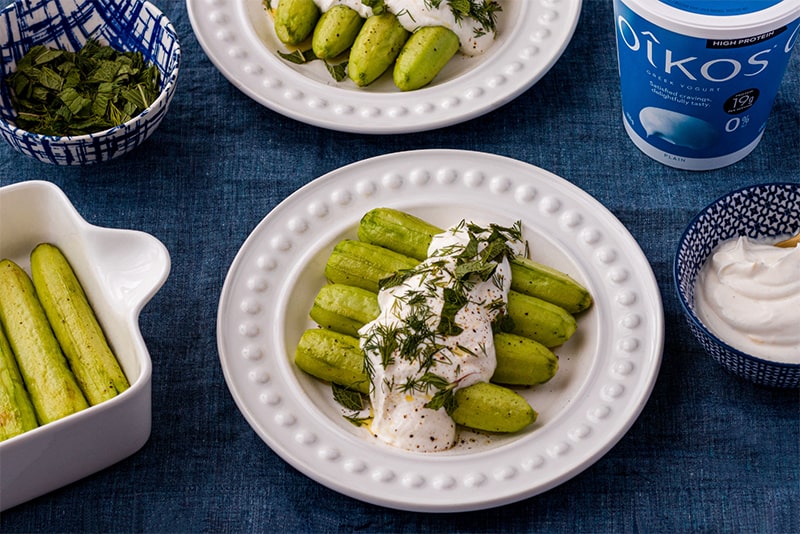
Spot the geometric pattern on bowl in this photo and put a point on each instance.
(768, 212)
(127, 25)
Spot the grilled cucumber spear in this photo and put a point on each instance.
(16, 411)
(75, 325)
(52, 387)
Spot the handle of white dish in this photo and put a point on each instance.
(131, 265)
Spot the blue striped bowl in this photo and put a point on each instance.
(127, 25)
(767, 212)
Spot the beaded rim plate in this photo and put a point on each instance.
(238, 38)
(606, 372)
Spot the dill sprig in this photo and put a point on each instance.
(353, 401)
(484, 12)
(418, 335)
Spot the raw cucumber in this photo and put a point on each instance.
(375, 48)
(520, 361)
(335, 357)
(361, 264)
(410, 235)
(336, 31)
(423, 56)
(50, 382)
(75, 325)
(16, 411)
(295, 20)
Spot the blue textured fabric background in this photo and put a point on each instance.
(710, 453)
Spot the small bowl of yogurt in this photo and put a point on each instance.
(739, 291)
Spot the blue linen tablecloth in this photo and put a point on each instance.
(709, 453)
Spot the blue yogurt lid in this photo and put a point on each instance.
(721, 8)
(716, 19)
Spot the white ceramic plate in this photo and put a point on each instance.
(238, 37)
(607, 370)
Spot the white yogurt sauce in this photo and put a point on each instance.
(355, 5)
(398, 393)
(414, 14)
(748, 294)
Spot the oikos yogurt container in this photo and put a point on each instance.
(699, 77)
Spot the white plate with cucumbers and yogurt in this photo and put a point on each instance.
(239, 38)
(606, 370)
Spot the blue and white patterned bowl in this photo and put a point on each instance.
(768, 212)
(127, 25)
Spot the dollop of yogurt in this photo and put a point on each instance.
(356, 5)
(412, 14)
(418, 350)
(748, 294)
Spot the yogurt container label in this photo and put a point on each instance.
(696, 101)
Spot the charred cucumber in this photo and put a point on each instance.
(75, 325)
(52, 387)
(335, 31)
(423, 56)
(376, 47)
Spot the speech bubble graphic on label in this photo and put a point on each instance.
(677, 128)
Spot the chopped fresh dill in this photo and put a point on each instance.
(348, 398)
(353, 401)
(337, 71)
(484, 12)
(378, 6)
(417, 330)
(358, 421)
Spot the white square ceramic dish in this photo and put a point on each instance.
(120, 271)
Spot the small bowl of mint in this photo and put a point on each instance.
(84, 81)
